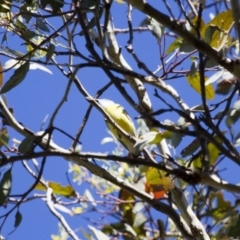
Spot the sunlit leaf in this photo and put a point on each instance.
(152, 137)
(98, 235)
(77, 210)
(222, 206)
(90, 197)
(233, 114)
(216, 31)
(158, 183)
(194, 81)
(4, 138)
(237, 140)
(139, 220)
(12, 63)
(156, 28)
(66, 191)
(213, 152)
(126, 196)
(5, 6)
(120, 1)
(63, 208)
(174, 45)
(216, 76)
(107, 140)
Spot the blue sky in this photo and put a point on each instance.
(38, 95)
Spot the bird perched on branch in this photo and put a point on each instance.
(122, 123)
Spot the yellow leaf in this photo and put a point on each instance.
(158, 182)
(174, 45)
(66, 191)
(120, 1)
(126, 196)
(77, 210)
(55, 237)
(213, 154)
(215, 33)
(194, 81)
(4, 138)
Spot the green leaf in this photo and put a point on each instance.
(181, 43)
(233, 231)
(5, 186)
(92, 22)
(42, 25)
(156, 28)
(158, 182)
(5, 6)
(191, 148)
(139, 219)
(27, 145)
(18, 219)
(66, 191)
(89, 4)
(176, 139)
(55, 4)
(174, 45)
(225, 86)
(50, 52)
(194, 81)
(216, 32)
(4, 38)
(25, 12)
(237, 140)
(16, 78)
(234, 114)
(98, 235)
(4, 138)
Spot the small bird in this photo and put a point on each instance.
(123, 121)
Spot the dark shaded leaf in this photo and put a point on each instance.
(55, 4)
(16, 78)
(18, 219)
(191, 148)
(5, 186)
(50, 52)
(225, 86)
(27, 145)
(42, 25)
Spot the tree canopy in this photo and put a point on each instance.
(122, 117)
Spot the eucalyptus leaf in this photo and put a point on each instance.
(18, 219)
(27, 145)
(5, 186)
(18, 76)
